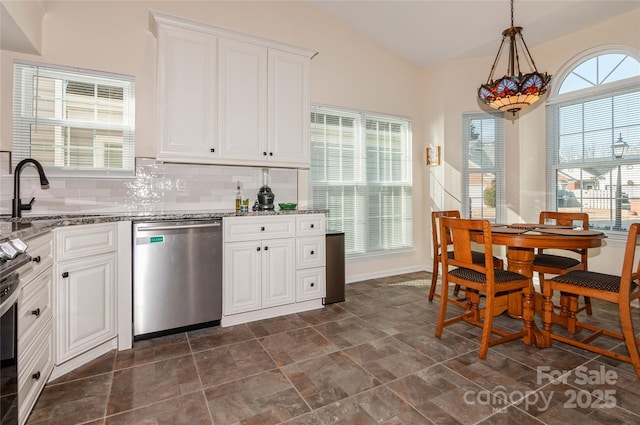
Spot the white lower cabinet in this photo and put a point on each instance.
(86, 303)
(269, 271)
(85, 281)
(258, 274)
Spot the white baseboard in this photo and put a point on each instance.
(385, 273)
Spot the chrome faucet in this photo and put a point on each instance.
(17, 205)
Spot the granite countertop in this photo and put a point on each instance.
(30, 226)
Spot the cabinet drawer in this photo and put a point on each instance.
(85, 241)
(238, 229)
(41, 251)
(310, 225)
(35, 306)
(35, 366)
(310, 284)
(310, 252)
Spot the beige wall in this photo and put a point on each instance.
(525, 148)
(349, 71)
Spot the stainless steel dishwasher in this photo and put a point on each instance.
(177, 276)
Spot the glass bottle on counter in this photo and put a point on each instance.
(238, 198)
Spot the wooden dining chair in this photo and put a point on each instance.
(555, 264)
(478, 279)
(439, 247)
(620, 290)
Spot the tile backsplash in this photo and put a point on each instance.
(156, 187)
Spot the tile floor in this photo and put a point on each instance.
(372, 359)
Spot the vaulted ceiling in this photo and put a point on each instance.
(427, 32)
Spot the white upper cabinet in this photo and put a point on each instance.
(230, 98)
(289, 109)
(186, 114)
(242, 101)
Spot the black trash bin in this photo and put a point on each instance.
(335, 273)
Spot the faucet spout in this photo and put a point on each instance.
(17, 205)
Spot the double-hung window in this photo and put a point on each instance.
(483, 166)
(361, 172)
(74, 122)
(593, 139)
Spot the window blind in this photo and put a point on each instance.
(361, 172)
(483, 167)
(74, 122)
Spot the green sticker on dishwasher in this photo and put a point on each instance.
(156, 239)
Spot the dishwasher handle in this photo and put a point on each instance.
(178, 226)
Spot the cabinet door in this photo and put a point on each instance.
(186, 84)
(278, 267)
(289, 109)
(242, 79)
(85, 305)
(242, 273)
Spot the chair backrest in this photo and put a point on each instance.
(573, 219)
(463, 233)
(631, 264)
(435, 230)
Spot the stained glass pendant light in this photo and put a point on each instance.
(515, 90)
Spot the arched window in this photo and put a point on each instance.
(593, 137)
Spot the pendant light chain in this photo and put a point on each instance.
(514, 91)
(511, 12)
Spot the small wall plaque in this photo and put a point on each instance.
(433, 156)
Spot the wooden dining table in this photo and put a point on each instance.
(521, 241)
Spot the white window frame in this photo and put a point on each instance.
(366, 233)
(496, 169)
(26, 119)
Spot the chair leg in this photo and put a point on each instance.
(434, 279)
(528, 314)
(587, 305)
(547, 314)
(629, 336)
(572, 320)
(486, 327)
(443, 308)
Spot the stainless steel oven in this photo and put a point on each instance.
(9, 290)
